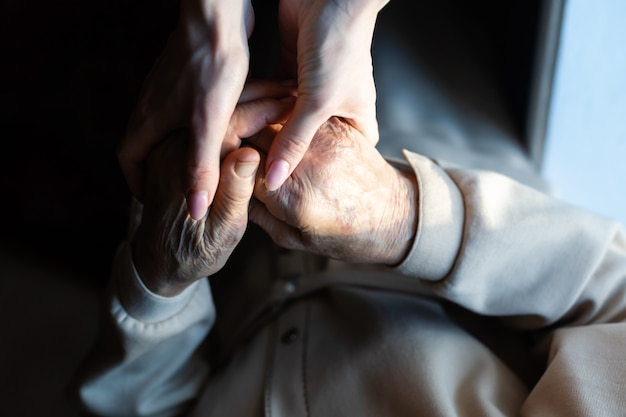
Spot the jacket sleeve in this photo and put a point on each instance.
(147, 360)
(542, 266)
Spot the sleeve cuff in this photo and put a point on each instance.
(141, 303)
(440, 223)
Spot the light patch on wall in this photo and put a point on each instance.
(585, 154)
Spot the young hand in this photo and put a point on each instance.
(326, 45)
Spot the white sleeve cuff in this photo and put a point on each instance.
(440, 222)
(141, 303)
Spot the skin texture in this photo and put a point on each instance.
(199, 76)
(343, 200)
(326, 46)
(171, 250)
(194, 84)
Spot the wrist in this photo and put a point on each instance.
(401, 233)
(152, 272)
(356, 21)
(216, 21)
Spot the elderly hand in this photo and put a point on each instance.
(171, 250)
(195, 83)
(343, 200)
(326, 44)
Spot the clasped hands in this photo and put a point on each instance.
(199, 76)
(344, 200)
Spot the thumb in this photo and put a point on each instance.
(292, 142)
(228, 215)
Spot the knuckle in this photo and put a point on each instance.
(202, 174)
(227, 232)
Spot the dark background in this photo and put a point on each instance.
(70, 75)
(70, 72)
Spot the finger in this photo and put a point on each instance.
(250, 118)
(368, 126)
(277, 203)
(258, 89)
(229, 213)
(281, 233)
(211, 114)
(262, 141)
(291, 143)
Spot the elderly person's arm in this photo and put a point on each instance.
(479, 239)
(147, 359)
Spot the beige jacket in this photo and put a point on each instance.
(511, 303)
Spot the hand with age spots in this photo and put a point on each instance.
(344, 200)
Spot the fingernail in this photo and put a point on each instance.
(197, 204)
(246, 169)
(277, 174)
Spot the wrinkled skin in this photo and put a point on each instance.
(343, 200)
(171, 250)
(199, 76)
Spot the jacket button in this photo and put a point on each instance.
(289, 336)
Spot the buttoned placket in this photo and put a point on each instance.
(286, 384)
(286, 379)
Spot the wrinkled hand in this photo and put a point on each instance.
(195, 84)
(326, 44)
(343, 200)
(171, 250)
